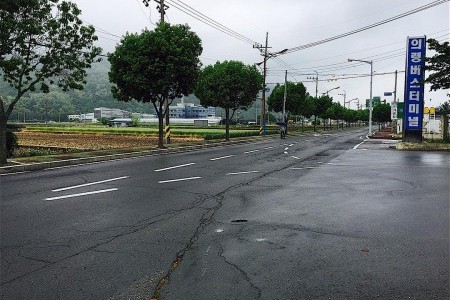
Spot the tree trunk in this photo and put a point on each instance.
(3, 150)
(315, 121)
(160, 114)
(161, 130)
(227, 124)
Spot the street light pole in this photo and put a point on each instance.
(349, 101)
(371, 81)
(338, 87)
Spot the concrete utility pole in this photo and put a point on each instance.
(162, 11)
(266, 56)
(316, 80)
(262, 128)
(395, 87)
(345, 97)
(285, 96)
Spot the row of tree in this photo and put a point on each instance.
(299, 103)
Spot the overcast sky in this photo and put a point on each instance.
(293, 23)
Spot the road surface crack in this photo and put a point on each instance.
(244, 274)
(204, 222)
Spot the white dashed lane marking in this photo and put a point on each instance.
(80, 194)
(222, 157)
(88, 184)
(174, 167)
(179, 179)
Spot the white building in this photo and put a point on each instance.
(191, 111)
(104, 112)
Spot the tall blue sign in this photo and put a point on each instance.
(414, 88)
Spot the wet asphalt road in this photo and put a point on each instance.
(311, 217)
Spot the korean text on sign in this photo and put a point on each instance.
(414, 89)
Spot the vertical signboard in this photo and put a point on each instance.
(414, 89)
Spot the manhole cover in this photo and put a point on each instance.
(239, 221)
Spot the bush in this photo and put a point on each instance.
(11, 142)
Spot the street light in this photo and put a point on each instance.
(338, 87)
(354, 99)
(371, 80)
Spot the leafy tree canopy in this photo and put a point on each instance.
(230, 85)
(296, 98)
(382, 113)
(444, 108)
(42, 43)
(156, 65)
(439, 64)
(321, 105)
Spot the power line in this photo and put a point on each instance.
(143, 12)
(183, 7)
(405, 14)
(344, 65)
(344, 78)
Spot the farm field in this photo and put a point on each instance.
(93, 141)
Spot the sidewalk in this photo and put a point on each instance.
(385, 133)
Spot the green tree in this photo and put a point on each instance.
(230, 85)
(335, 112)
(295, 98)
(363, 115)
(444, 108)
(156, 65)
(42, 43)
(381, 113)
(321, 104)
(439, 64)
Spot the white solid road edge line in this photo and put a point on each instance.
(180, 179)
(174, 167)
(80, 194)
(88, 184)
(246, 172)
(222, 157)
(356, 147)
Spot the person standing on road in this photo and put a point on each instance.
(283, 126)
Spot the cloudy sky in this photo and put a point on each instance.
(290, 24)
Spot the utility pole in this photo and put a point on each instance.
(263, 113)
(161, 8)
(262, 129)
(395, 87)
(345, 97)
(285, 96)
(316, 80)
(162, 11)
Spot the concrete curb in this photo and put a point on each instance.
(423, 146)
(95, 159)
